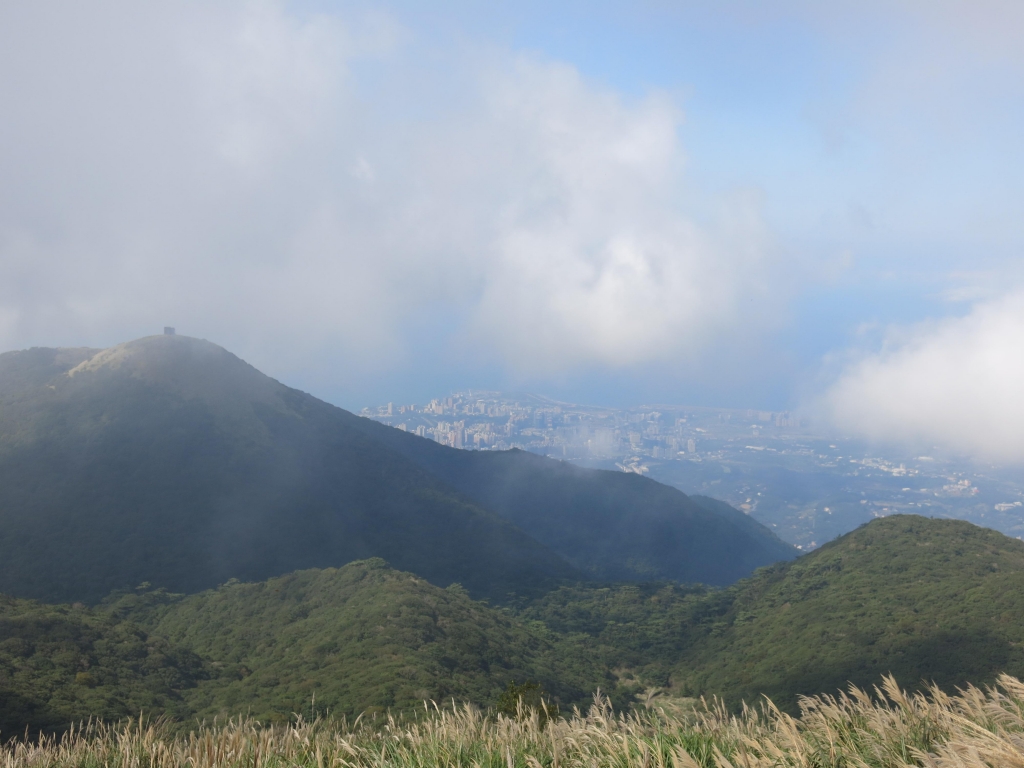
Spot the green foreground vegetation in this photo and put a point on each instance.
(891, 729)
(363, 638)
(60, 664)
(927, 600)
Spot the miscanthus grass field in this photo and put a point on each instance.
(887, 727)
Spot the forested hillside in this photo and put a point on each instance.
(169, 460)
(926, 600)
(60, 664)
(610, 525)
(360, 638)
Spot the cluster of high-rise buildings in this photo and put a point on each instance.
(493, 421)
(806, 486)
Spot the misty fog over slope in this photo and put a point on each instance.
(169, 460)
(613, 526)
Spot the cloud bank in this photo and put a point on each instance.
(955, 384)
(284, 183)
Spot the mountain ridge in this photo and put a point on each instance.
(170, 460)
(525, 489)
(218, 478)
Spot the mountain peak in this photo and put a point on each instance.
(188, 366)
(147, 351)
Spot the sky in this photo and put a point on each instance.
(787, 206)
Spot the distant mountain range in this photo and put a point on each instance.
(170, 461)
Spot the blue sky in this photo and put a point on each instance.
(786, 205)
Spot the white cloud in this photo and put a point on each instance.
(956, 384)
(590, 259)
(231, 169)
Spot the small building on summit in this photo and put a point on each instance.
(168, 331)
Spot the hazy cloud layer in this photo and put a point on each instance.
(954, 384)
(335, 192)
(297, 180)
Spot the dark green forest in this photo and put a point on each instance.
(927, 600)
(60, 664)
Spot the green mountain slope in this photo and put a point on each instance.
(640, 630)
(169, 460)
(361, 638)
(927, 600)
(60, 664)
(613, 526)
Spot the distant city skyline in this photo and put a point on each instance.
(807, 486)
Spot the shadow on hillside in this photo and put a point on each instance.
(949, 659)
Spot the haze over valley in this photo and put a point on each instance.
(805, 484)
